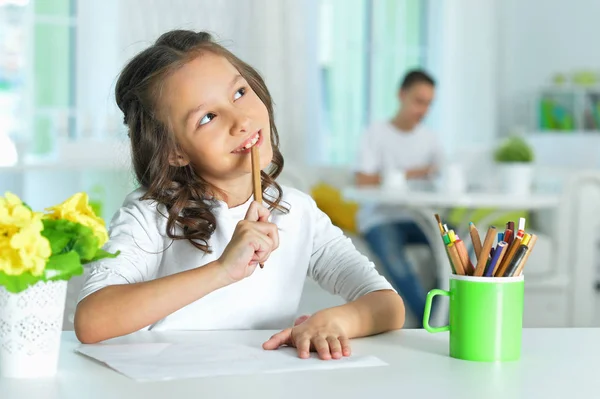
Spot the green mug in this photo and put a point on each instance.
(486, 317)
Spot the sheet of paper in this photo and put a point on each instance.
(164, 361)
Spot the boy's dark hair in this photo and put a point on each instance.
(184, 194)
(416, 76)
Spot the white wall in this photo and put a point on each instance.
(539, 38)
(463, 56)
(491, 56)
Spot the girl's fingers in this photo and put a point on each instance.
(345, 343)
(257, 212)
(303, 346)
(322, 347)
(279, 339)
(335, 347)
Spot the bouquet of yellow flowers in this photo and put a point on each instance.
(48, 246)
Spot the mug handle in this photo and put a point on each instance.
(427, 312)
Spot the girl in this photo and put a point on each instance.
(191, 237)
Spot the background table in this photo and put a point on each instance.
(555, 363)
(435, 199)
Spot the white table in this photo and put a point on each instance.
(428, 202)
(555, 363)
(436, 199)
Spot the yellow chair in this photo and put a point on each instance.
(341, 212)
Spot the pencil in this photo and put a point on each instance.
(496, 259)
(521, 230)
(446, 239)
(256, 174)
(485, 251)
(515, 261)
(530, 246)
(455, 259)
(450, 260)
(464, 257)
(508, 236)
(256, 183)
(510, 253)
(439, 221)
(475, 239)
(510, 226)
(452, 235)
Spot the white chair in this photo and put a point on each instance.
(579, 216)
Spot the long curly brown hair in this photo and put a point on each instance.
(184, 194)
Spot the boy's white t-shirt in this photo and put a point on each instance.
(384, 147)
(309, 245)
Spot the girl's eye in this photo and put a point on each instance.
(207, 118)
(239, 93)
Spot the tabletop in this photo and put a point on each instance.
(432, 198)
(555, 363)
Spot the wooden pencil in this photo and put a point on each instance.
(464, 257)
(475, 239)
(485, 251)
(440, 225)
(531, 244)
(510, 252)
(256, 183)
(455, 259)
(256, 174)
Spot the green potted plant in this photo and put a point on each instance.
(514, 158)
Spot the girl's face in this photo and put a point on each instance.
(216, 118)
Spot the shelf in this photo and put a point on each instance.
(565, 133)
(568, 108)
(571, 89)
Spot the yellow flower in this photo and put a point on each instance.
(22, 246)
(77, 209)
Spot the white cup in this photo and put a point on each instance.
(454, 179)
(394, 179)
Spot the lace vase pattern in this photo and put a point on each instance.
(30, 330)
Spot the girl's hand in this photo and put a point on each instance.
(323, 333)
(253, 241)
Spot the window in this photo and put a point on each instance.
(365, 48)
(54, 24)
(13, 45)
(37, 72)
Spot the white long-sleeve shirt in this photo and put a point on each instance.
(308, 245)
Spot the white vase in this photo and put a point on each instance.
(516, 178)
(30, 330)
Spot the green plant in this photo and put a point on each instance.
(514, 149)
